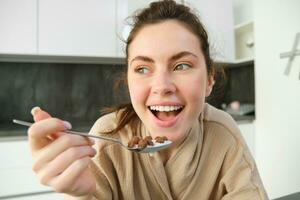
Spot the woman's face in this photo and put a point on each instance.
(167, 78)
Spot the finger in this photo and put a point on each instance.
(39, 114)
(63, 161)
(38, 132)
(89, 186)
(64, 183)
(57, 147)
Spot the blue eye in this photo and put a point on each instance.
(182, 66)
(142, 70)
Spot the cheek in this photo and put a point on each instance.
(194, 89)
(137, 92)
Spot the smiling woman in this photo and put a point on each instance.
(173, 75)
(169, 75)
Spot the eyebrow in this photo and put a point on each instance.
(182, 54)
(172, 58)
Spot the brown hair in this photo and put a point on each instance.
(158, 12)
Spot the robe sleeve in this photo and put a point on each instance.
(241, 179)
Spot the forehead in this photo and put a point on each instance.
(168, 37)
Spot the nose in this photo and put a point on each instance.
(163, 84)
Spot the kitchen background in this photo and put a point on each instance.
(67, 56)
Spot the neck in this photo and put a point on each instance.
(170, 151)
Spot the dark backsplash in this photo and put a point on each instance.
(237, 85)
(77, 92)
(74, 92)
(241, 84)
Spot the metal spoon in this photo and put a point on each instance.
(149, 149)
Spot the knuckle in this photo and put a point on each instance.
(79, 164)
(77, 153)
(31, 131)
(43, 178)
(67, 140)
(37, 161)
(92, 151)
(57, 122)
(72, 153)
(35, 167)
(83, 162)
(60, 188)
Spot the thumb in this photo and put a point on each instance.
(39, 114)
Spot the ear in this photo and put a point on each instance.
(209, 86)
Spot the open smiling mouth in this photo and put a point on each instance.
(165, 113)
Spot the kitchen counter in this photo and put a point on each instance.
(295, 196)
(12, 132)
(242, 119)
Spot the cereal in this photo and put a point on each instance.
(130, 144)
(150, 143)
(136, 139)
(143, 143)
(162, 139)
(148, 138)
(165, 138)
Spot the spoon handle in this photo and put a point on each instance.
(16, 121)
(24, 123)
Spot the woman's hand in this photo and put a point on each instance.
(59, 159)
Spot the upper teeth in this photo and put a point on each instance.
(165, 108)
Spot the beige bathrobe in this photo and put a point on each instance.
(213, 162)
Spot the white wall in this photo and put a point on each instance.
(243, 11)
(277, 96)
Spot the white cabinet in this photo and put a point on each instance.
(77, 27)
(126, 9)
(244, 25)
(16, 174)
(244, 41)
(217, 16)
(59, 27)
(94, 27)
(18, 29)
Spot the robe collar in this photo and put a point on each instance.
(175, 177)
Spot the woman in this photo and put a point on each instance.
(169, 75)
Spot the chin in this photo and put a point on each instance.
(172, 135)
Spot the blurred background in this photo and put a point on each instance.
(66, 56)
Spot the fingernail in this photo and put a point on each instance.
(92, 141)
(35, 109)
(67, 124)
(94, 152)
